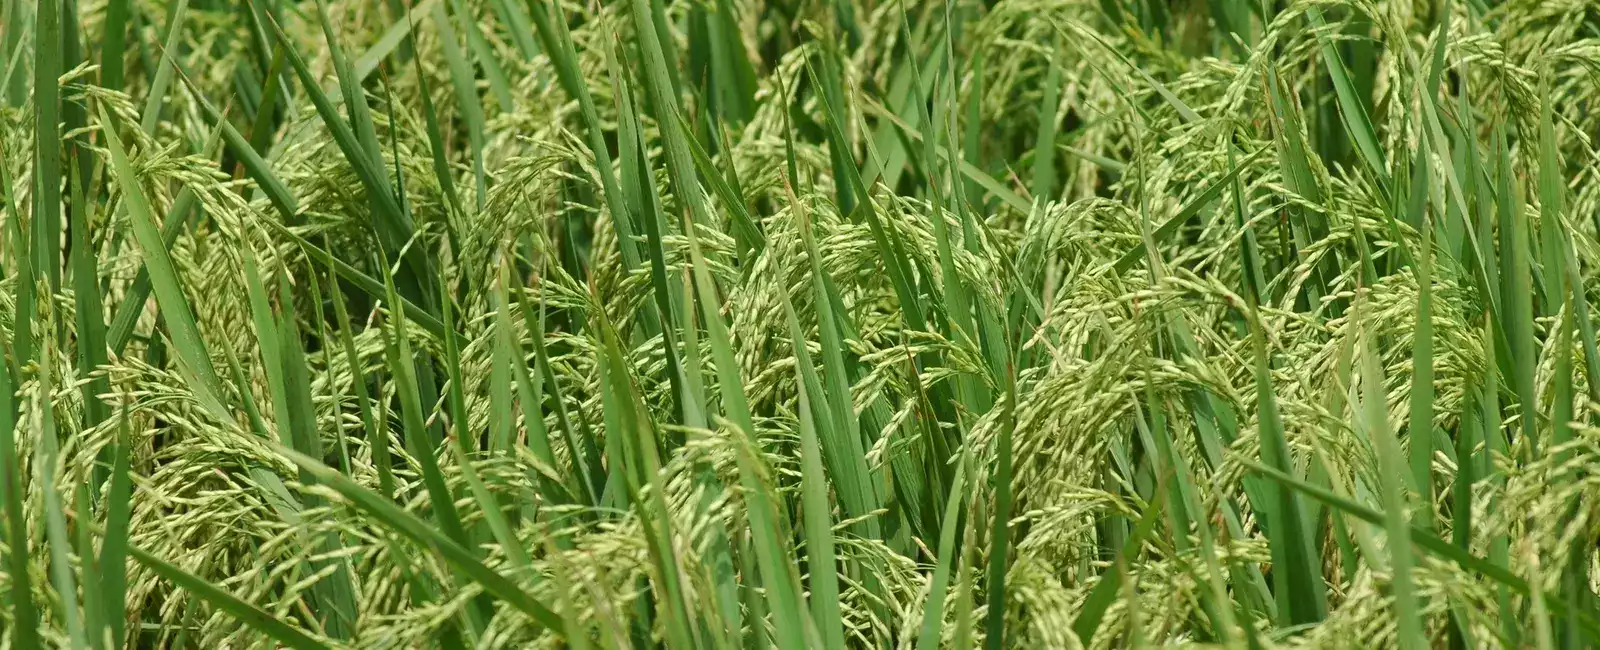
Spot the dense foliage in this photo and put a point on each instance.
(743, 324)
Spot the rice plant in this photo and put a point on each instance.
(724, 324)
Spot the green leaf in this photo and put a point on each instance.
(1296, 574)
(150, 117)
(982, 178)
(889, 248)
(814, 498)
(457, 556)
(794, 629)
(397, 33)
(1517, 289)
(45, 459)
(252, 616)
(25, 630)
(393, 224)
(112, 49)
(933, 607)
(1185, 213)
(114, 547)
(1374, 421)
(558, 42)
(420, 442)
(646, 487)
(743, 223)
(1420, 427)
(585, 459)
(164, 282)
(1105, 590)
(377, 432)
(1431, 543)
(46, 226)
(836, 423)
(88, 312)
(93, 616)
(462, 80)
(1044, 147)
(1351, 108)
(490, 507)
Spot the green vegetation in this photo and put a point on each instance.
(720, 324)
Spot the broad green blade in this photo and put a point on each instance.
(585, 458)
(499, 86)
(164, 281)
(251, 615)
(397, 33)
(458, 557)
(335, 593)
(1374, 422)
(114, 547)
(25, 632)
(1552, 196)
(89, 574)
(393, 224)
(341, 437)
(558, 42)
(1105, 590)
(1185, 213)
(376, 430)
(422, 444)
(768, 526)
(132, 305)
(643, 199)
(462, 80)
(1044, 147)
(88, 312)
(128, 311)
(47, 69)
(455, 394)
(355, 99)
(889, 248)
(999, 535)
(1517, 289)
(837, 426)
(150, 117)
(1420, 422)
(1351, 108)
(112, 49)
(57, 539)
(1296, 575)
(266, 330)
(1432, 544)
(419, 440)
(744, 224)
(814, 499)
(644, 471)
(933, 607)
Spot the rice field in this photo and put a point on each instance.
(748, 324)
